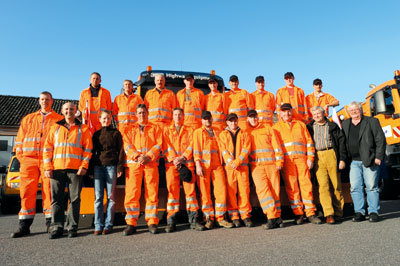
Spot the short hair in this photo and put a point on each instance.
(315, 108)
(178, 109)
(288, 75)
(71, 103)
(317, 81)
(95, 73)
(47, 93)
(159, 75)
(128, 80)
(104, 111)
(142, 106)
(356, 104)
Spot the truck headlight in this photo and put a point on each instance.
(14, 185)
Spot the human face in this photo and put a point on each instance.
(289, 81)
(95, 80)
(207, 122)
(68, 110)
(178, 117)
(318, 116)
(45, 102)
(141, 114)
(160, 82)
(260, 85)
(213, 86)
(128, 88)
(232, 124)
(355, 112)
(253, 120)
(105, 119)
(286, 115)
(318, 87)
(188, 82)
(234, 84)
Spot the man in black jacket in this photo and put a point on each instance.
(330, 155)
(365, 144)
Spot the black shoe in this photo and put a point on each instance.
(299, 219)
(197, 226)
(247, 222)
(236, 223)
(338, 219)
(271, 224)
(72, 233)
(20, 233)
(170, 228)
(153, 229)
(129, 230)
(56, 234)
(279, 223)
(358, 217)
(373, 217)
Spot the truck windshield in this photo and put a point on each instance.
(14, 165)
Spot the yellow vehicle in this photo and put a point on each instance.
(383, 102)
(10, 184)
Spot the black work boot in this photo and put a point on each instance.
(23, 230)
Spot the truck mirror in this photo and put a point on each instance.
(380, 104)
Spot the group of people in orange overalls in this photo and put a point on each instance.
(213, 141)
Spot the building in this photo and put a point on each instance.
(12, 110)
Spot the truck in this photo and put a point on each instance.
(383, 103)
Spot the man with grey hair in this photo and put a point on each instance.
(365, 144)
(330, 155)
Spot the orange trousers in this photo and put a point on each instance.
(133, 190)
(238, 181)
(173, 186)
(215, 174)
(31, 170)
(267, 182)
(298, 186)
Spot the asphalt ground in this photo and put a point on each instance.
(347, 243)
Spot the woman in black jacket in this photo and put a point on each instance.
(108, 163)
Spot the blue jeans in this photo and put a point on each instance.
(360, 175)
(104, 177)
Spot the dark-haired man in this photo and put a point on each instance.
(319, 98)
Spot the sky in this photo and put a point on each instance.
(55, 45)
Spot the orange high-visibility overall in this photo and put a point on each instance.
(160, 106)
(192, 108)
(215, 105)
(124, 110)
(297, 100)
(239, 101)
(264, 104)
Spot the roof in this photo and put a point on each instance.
(14, 108)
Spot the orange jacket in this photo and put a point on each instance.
(147, 143)
(181, 144)
(95, 104)
(32, 134)
(323, 100)
(67, 148)
(202, 147)
(298, 102)
(238, 101)
(264, 103)
(265, 146)
(160, 106)
(193, 108)
(295, 139)
(124, 109)
(243, 145)
(215, 104)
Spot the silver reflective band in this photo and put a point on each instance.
(294, 152)
(260, 150)
(152, 215)
(266, 207)
(206, 206)
(295, 206)
(47, 160)
(209, 152)
(241, 157)
(196, 109)
(126, 121)
(31, 139)
(294, 143)
(48, 149)
(279, 158)
(135, 209)
(30, 149)
(294, 201)
(219, 213)
(190, 199)
(132, 216)
(63, 156)
(66, 144)
(173, 201)
(173, 207)
(308, 207)
(151, 207)
(27, 211)
(160, 109)
(263, 111)
(266, 199)
(259, 160)
(126, 113)
(192, 206)
(245, 151)
(307, 201)
(216, 113)
(310, 145)
(237, 110)
(205, 161)
(18, 143)
(160, 117)
(21, 217)
(277, 150)
(220, 205)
